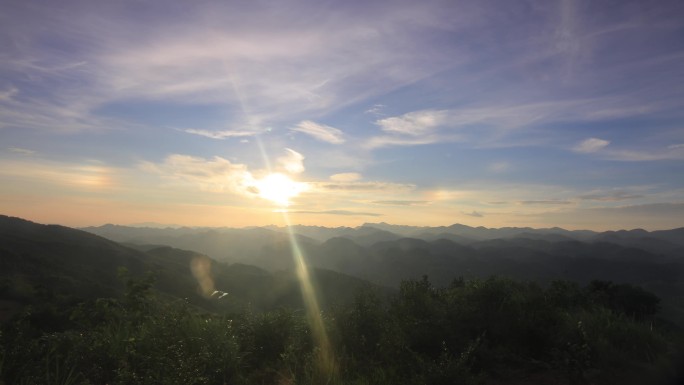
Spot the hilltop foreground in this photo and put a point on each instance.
(563, 308)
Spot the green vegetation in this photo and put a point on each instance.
(78, 309)
(472, 332)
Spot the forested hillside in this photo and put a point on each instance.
(81, 309)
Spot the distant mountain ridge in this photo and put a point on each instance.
(322, 233)
(386, 254)
(53, 262)
(660, 241)
(481, 233)
(351, 258)
(441, 252)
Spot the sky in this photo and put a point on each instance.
(488, 113)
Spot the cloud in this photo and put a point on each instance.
(337, 212)
(320, 131)
(493, 122)
(345, 177)
(220, 134)
(473, 214)
(84, 175)
(670, 209)
(495, 117)
(652, 216)
(363, 186)
(591, 145)
(499, 166)
(669, 153)
(376, 109)
(21, 151)
(219, 175)
(385, 141)
(58, 116)
(415, 123)
(213, 175)
(237, 56)
(293, 162)
(8, 93)
(610, 197)
(544, 202)
(401, 202)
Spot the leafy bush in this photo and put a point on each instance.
(478, 331)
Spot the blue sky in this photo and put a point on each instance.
(489, 113)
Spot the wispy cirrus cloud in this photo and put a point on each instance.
(599, 147)
(591, 145)
(499, 123)
(345, 177)
(386, 141)
(376, 110)
(22, 151)
(292, 162)
(416, 123)
(65, 116)
(222, 134)
(7, 94)
(401, 202)
(321, 132)
(490, 122)
(91, 176)
(499, 167)
(213, 56)
(654, 216)
(615, 196)
(645, 155)
(363, 186)
(544, 202)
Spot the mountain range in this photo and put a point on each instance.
(385, 254)
(255, 265)
(51, 263)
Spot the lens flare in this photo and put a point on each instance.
(201, 270)
(326, 359)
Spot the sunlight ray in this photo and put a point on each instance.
(326, 359)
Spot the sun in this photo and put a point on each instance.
(279, 188)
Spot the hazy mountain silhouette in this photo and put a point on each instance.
(386, 254)
(56, 261)
(463, 250)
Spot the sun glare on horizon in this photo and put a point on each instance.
(279, 188)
